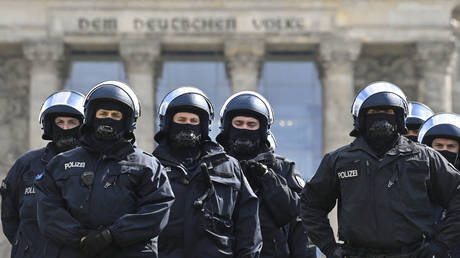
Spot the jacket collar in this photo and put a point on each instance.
(118, 151)
(403, 146)
(49, 153)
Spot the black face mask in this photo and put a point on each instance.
(243, 144)
(65, 140)
(380, 126)
(413, 138)
(450, 156)
(185, 135)
(185, 142)
(381, 132)
(108, 129)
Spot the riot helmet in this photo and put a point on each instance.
(62, 103)
(379, 95)
(249, 104)
(418, 114)
(185, 99)
(113, 93)
(444, 125)
(244, 102)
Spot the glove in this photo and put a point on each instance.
(255, 168)
(335, 252)
(433, 249)
(266, 158)
(95, 242)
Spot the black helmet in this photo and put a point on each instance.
(247, 102)
(113, 91)
(185, 98)
(418, 114)
(444, 125)
(380, 94)
(62, 103)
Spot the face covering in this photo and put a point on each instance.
(65, 140)
(185, 135)
(450, 156)
(381, 132)
(413, 138)
(243, 144)
(185, 142)
(108, 129)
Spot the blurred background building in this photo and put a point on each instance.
(308, 57)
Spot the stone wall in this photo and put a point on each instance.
(14, 118)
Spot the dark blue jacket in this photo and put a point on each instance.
(130, 196)
(19, 203)
(278, 191)
(384, 204)
(226, 225)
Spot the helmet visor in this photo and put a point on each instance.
(125, 88)
(179, 92)
(439, 119)
(372, 89)
(71, 99)
(418, 110)
(271, 117)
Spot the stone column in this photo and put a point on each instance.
(434, 61)
(14, 117)
(456, 71)
(45, 79)
(139, 58)
(243, 60)
(456, 80)
(337, 58)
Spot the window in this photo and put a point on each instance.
(83, 75)
(294, 91)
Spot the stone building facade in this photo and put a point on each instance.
(413, 44)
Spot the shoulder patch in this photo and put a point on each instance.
(39, 176)
(300, 181)
(350, 173)
(74, 164)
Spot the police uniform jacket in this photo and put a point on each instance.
(226, 225)
(19, 204)
(383, 203)
(130, 195)
(278, 191)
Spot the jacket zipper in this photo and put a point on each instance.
(372, 183)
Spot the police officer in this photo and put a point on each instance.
(386, 186)
(418, 114)
(246, 118)
(442, 133)
(60, 117)
(106, 198)
(215, 212)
